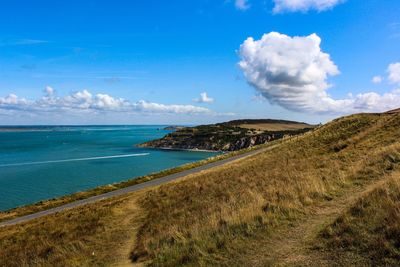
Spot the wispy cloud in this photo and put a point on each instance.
(28, 66)
(377, 79)
(112, 80)
(394, 27)
(304, 5)
(11, 42)
(242, 4)
(89, 76)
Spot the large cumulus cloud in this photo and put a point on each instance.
(293, 72)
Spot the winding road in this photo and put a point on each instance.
(132, 188)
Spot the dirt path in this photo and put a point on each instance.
(291, 246)
(130, 223)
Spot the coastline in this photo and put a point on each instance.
(227, 136)
(59, 201)
(165, 177)
(188, 149)
(46, 203)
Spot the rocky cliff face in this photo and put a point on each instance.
(217, 138)
(172, 142)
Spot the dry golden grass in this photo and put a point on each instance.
(213, 217)
(94, 235)
(368, 233)
(194, 222)
(276, 126)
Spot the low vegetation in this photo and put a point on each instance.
(271, 125)
(369, 232)
(92, 235)
(229, 136)
(241, 213)
(198, 221)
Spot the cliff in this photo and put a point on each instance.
(228, 136)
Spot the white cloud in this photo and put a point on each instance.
(394, 72)
(377, 79)
(84, 101)
(49, 91)
(104, 101)
(204, 98)
(372, 101)
(304, 5)
(242, 4)
(293, 72)
(12, 100)
(161, 108)
(11, 42)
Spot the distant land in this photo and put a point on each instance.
(53, 128)
(173, 128)
(228, 136)
(394, 111)
(24, 128)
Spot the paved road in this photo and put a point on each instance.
(130, 189)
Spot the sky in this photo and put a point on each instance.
(194, 62)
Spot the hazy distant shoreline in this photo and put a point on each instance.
(54, 128)
(24, 130)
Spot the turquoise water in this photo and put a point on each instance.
(47, 162)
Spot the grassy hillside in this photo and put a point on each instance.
(281, 207)
(200, 220)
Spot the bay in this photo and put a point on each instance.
(39, 163)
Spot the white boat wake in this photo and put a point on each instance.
(70, 160)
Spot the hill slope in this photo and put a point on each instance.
(296, 204)
(208, 219)
(394, 111)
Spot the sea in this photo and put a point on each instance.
(43, 162)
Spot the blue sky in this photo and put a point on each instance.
(149, 61)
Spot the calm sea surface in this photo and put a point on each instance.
(47, 162)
